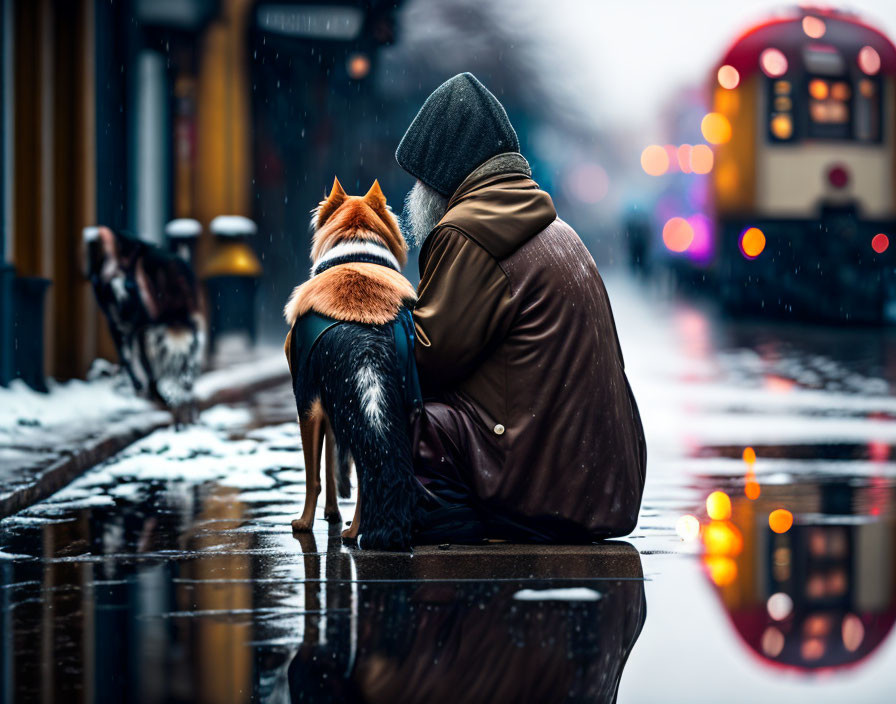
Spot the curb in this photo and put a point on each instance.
(212, 389)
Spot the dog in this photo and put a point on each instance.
(150, 299)
(350, 353)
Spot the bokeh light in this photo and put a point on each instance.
(752, 490)
(722, 570)
(780, 520)
(880, 242)
(853, 632)
(655, 160)
(728, 77)
(701, 247)
(813, 27)
(869, 60)
(773, 63)
(722, 538)
(818, 89)
(779, 606)
(688, 528)
(718, 506)
(749, 455)
(358, 66)
(684, 158)
(716, 128)
(752, 242)
(677, 234)
(782, 126)
(772, 642)
(701, 159)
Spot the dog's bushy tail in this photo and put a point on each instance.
(365, 405)
(343, 472)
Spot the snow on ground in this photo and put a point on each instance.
(74, 401)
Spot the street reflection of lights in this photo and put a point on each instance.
(752, 242)
(772, 642)
(853, 632)
(780, 520)
(869, 60)
(358, 66)
(722, 538)
(880, 242)
(752, 489)
(728, 77)
(813, 27)
(782, 126)
(779, 606)
(812, 649)
(722, 570)
(773, 63)
(677, 234)
(781, 564)
(688, 528)
(718, 506)
(716, 128)
(655, 160)
(701, 159)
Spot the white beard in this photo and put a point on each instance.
(423, 208)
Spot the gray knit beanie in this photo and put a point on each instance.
(460, 126)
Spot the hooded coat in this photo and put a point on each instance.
(528, 403)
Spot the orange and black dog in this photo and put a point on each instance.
(350, 353)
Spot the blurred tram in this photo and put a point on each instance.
(800, 194)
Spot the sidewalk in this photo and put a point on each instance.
(47, 440)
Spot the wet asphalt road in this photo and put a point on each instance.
(170, 573)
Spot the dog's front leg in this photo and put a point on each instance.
(313, 430)
(331, 505)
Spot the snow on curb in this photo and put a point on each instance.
(26, 416)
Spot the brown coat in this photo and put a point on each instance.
(516, 340)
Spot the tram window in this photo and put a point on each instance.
(867, 107)
(829, 108)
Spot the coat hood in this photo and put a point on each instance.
(499, 206)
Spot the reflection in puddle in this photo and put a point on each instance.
(805, 570)
(177, 596)
(423, 636)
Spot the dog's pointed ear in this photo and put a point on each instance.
(375, 198)
(329, 205)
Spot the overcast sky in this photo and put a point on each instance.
(625, 57)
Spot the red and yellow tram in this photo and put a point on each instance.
(801, 201)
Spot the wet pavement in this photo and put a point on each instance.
(170, 573)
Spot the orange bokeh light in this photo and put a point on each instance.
(818, 89)
(722, 538)
(782, 126)
(718, 506)
(722, 570)
(655, 160)
(728, 77)
(814, 27)
(701, 159)
(716, 128)
(677, 234)
(752, 489)
(752, 242)
(749, 455)
(780, 520)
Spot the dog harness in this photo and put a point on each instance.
(311, 327)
